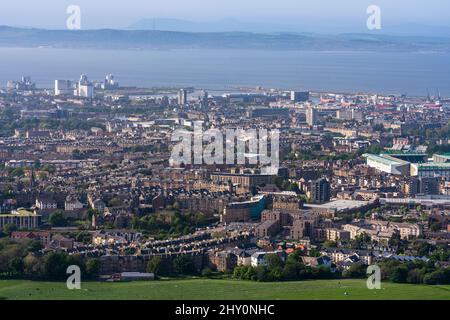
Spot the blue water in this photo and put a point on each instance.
(389, 73)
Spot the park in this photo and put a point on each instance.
(219, 289)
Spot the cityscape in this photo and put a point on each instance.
(362, 179)
(111, 190)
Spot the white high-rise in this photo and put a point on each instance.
(311, 116)
(182, 97)
(85, 88)
(63, 87)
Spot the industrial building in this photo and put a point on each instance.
(388, 164)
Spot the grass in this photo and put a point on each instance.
(202, 289)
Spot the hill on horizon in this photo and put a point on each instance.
(157, 39)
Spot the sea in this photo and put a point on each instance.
(410, 73)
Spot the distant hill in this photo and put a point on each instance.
(224, 25)
(154, 39)
(415, 29)
(228, 25)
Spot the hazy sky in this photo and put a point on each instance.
(122, 13)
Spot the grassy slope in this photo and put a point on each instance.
(221, 289)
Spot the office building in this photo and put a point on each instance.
(299, 96)
(311, 116)
(63, 87)
(182, 97)
(204, 100)
(423, 185)
(320, 191)
(349, 114)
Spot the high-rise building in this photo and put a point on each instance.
(349, 114)
(63, 87)
(85, 88)
(182, 97)
(320, 191)
(311, 116)
(423, 185)
(110, 83)
(24, 84)
(204, 99)
(299, 96)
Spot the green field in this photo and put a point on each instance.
(220, 290)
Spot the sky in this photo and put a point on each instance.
(315, 14)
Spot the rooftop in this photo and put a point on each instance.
(339, 205)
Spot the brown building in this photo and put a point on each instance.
(243, 180)
(333, 234)
(303, 228)
(291, 203)
(42, 236)
(223, 261)
(267, 228)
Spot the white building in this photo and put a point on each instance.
(85, 88)
(311, 116)
(110, 83)
(63, 87)
(388, 164)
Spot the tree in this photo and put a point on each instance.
(422, 248)
(262, 273)
(34, 246)
(200, 219)
(92, 212)
(435, 227)
(415, 276)
(84, 237)
(291, 270)
(360, 241)
(239, 272)
(33, 267)
(55, 265)
(57, 219)
(154, 265)
(440, 276)
(399, 274)
(17, 172)
(313, 252)
(273, 261)
(356, 270)
(206, 272)
(251, 274)
(16, 266)
(92, 268)
(276, 274)
(9, 227)
(184, 264)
